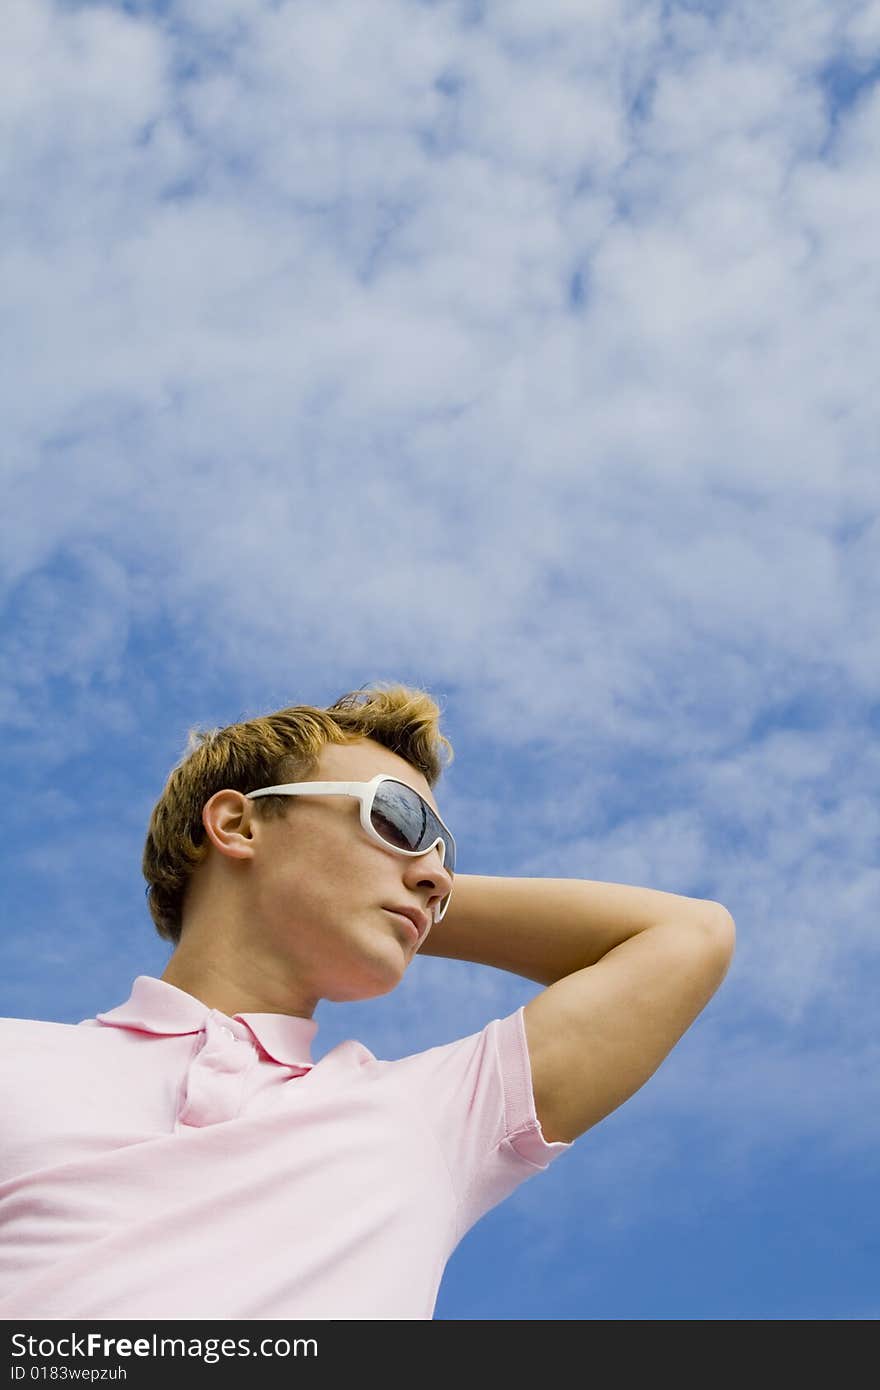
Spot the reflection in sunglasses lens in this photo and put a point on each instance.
(403, 819)
(389, 831)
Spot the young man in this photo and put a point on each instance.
(182, 1156)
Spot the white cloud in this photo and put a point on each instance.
(863, 32)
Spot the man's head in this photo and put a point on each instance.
(292, 885)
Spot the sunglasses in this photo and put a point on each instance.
(392, 814)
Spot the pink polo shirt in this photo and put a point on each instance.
(165, 1161)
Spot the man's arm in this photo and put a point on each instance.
(626, 970)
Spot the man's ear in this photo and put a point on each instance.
(228, 818)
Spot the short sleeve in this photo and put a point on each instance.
(476, 1096)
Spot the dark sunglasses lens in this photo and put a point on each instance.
(403, 819)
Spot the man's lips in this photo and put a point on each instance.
(417, 921)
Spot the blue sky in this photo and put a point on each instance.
(526, 353)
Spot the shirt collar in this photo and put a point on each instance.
(155, 1006)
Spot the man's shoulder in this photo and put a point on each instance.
(26, 1024)
(27, 1031)
(39, 1050)
(468, 1050)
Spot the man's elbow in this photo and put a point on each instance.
(720, 932)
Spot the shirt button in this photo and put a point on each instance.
(228, 1033)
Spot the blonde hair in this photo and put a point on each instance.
(263, 752)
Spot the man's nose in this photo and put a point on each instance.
(430, 868)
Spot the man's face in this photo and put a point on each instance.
(322, 887)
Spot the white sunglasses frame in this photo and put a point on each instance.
(365, 793)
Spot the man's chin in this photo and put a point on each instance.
(369, 985)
